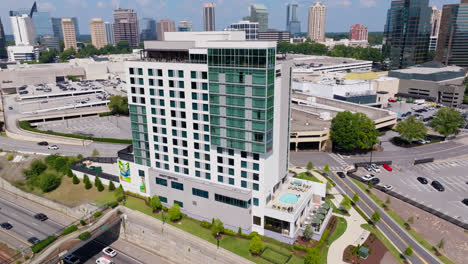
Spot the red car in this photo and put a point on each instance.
(387, 167)
(391, 100)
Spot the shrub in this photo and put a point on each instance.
(229, 232)
(113, 204)
(313, 257)
(88, 185)
(300, 247)
(48, 182)
(98, 184)
(165, 209)
(44, 243)
(69, 230)
(256, 245)
(119, 193)
(111, 186)
(323, 238)
(217, 227)
(174, 213)
(239, 231)
(82, 222)
(205, 224)
(249, 236)
(155, 203)
(75, 179)
(95, 153)
(308, 232)
(10, 157)
(408, 251)
(79, 157)
(84, 236)
(97, 214)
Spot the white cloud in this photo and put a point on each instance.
(47, 6)
(343, 3)
(368, 3)
(143, 2)
(100, 4)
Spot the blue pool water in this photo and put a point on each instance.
(289, 198)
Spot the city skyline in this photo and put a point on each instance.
(85, 10)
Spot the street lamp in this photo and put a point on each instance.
(217, 239)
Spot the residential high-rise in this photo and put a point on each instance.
(77, 27)
(69, 35)
(358, 32)
(210, 120)
(435, 25)
(23, 29)
(293, 25)
(185, 26)
(407, 32)
(109, 27)
(259, 13)
(57, 27)
(3, 51)
(250, 28)
(98, 33)
(126, 27)
(209, 16)
(164, 25)
(42, 24)
(147, 29)
(316, 22)
(452, 42)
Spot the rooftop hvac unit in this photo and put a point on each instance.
(325, 116)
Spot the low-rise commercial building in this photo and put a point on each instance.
(274, 35)
(23, 53)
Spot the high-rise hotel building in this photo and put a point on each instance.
(210, 123)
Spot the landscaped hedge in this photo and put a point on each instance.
(205, 224)
(301, 247)
(249, 236)
(44, 243)
(27, 126)
(229, 232)
(113, 204)
(84, 236)
(97, 214)
(69, 230)
(323, 238)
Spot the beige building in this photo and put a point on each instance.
(69, 36)
(164, 25)
(316, 23)
(98, 33)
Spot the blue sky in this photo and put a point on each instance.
(340, 13)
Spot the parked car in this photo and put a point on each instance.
(33, 240)
(387, 167)
(368, 167)
(438, 186)
(465, 201)
(71, 259)
(375, 181)
(375, 168)
(422, 180)
(387, 188)
(341, 174)
(104, 260)
(368, 177)
(43, 143)
(41, 217)
(109, 252)
(392, 100)
(53, 147)
(6, 226)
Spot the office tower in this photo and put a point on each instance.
(435, 25)
(250, 29)
(185, 26)
(109, 27)
(126, 27)
(293, 25)
(69, 35)
(358, 32)
(147, 29)
(258, 13)
(77, 27)
(452, 43)
(3, 51)
(210, 124)
(23, 29)
(164, 25)
(57, 27)
(274, 35)
(98, 33)
(42, 24)
(407, 32)
(209, 16)
(50, 42)
(316, 22)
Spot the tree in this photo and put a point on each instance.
(447, 121)
(174, 213)
(98, 184)
(119, 193)
(408, 251)
(95, 153)
(111, 186)
(313, 257)
(66, 54)
(118, 105)
(86, 182)
(155, 203)
(75, 179)
(353, 131)
(355, 198)
(345, 204)
(441, 244)
(411, 129)
(326, 168)
(123, 47)
(310, 166)
(308, 232)
(375, 217)
(217, 227)
(256, 245)
(48, 56)
(239, 231)
(49, 182)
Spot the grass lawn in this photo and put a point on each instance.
(236, 245)
(401, 222)
(340, 229)
(275, 256)
(304, 176)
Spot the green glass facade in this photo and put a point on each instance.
(241, 95)
(140, 134)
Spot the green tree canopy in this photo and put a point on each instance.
(217, 227)
(309, 48)
(353, 131)
(256, 245)
(359, 53)
(313, 257)
(375, 217)
(48, 56)
(345, 204)
(411, 129)
(355, 198)
(447, 121)
(155, 202)
(49, 181)
(174, 213)
(119, 104)
(308, 232)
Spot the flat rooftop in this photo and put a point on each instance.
(317, 60)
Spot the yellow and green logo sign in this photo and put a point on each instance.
(124, 169)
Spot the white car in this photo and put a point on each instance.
(375, 168)
(368, 177)
(104, 260)
(109, 252)
(388, 187)
(53, 147)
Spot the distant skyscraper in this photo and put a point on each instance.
(147, 29)
(50, 42)
(3, 51)
(98, 33)
(435, 25)
(209, 17)
(109, 33)
(293, 25)
(42, 24)
(164, 25)
(358, 32)
(407, 32)
(185, 26)
(23, 30)
(57, 27)
(77, 27)
(126, 27)
(69, 35)
(316, 23)
(452, 42)
(250, 28)
(259, 13)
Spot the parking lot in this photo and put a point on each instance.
(452, 175)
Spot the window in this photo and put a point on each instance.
(243, 174)
(161, 181)
(160, 83)
(150, 72)
(181, 84)
(256, 166)
(171, 83)
(181, 74)
(220, 178)
(193, 74)
(163, 199)
(231, 172)
(232, 201)
(204, 75)
(201, 193)
(243, 154)
(243, 184)
(177, 186)
(141, 173)
(131, 70)
(255, 201)
(208, 176)
(255, 186)
(244, 164)
(170, 73)
(231, 181)
(256, 177)
(181, 204)
(160, 73)
(257, 220)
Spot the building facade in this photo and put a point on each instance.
(69, 35)
(316, 22)
(164, 25)
(293, 25)
(57, 27)
(147, 29)
(435, 25)
(50, 42)
(452, 41)
(358, 32)
(275, 35)
(77, 27)
(23, 53)
(23, 30)
(209, 16)
(259, 13)
(3, 51)
(126, 27)
(109, 27)
(185, 26)
(407, 33)
(250, 29)
(42, 24)
(98, 33)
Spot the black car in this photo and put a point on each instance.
(6, 226)
(375, 181)
(465, 201)
(33, 240)
(438, 186)
(422, 180)
(341, 174)
(41, 217)
(43, 143)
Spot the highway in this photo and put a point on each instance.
(397, 235)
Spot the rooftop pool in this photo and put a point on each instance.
(289, 198)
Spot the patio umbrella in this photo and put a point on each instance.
(322, 211)
(326, 206)
(316, 222)
(320, 216)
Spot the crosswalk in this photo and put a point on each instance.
(338, 158)
(443, 165)
(333, 168)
